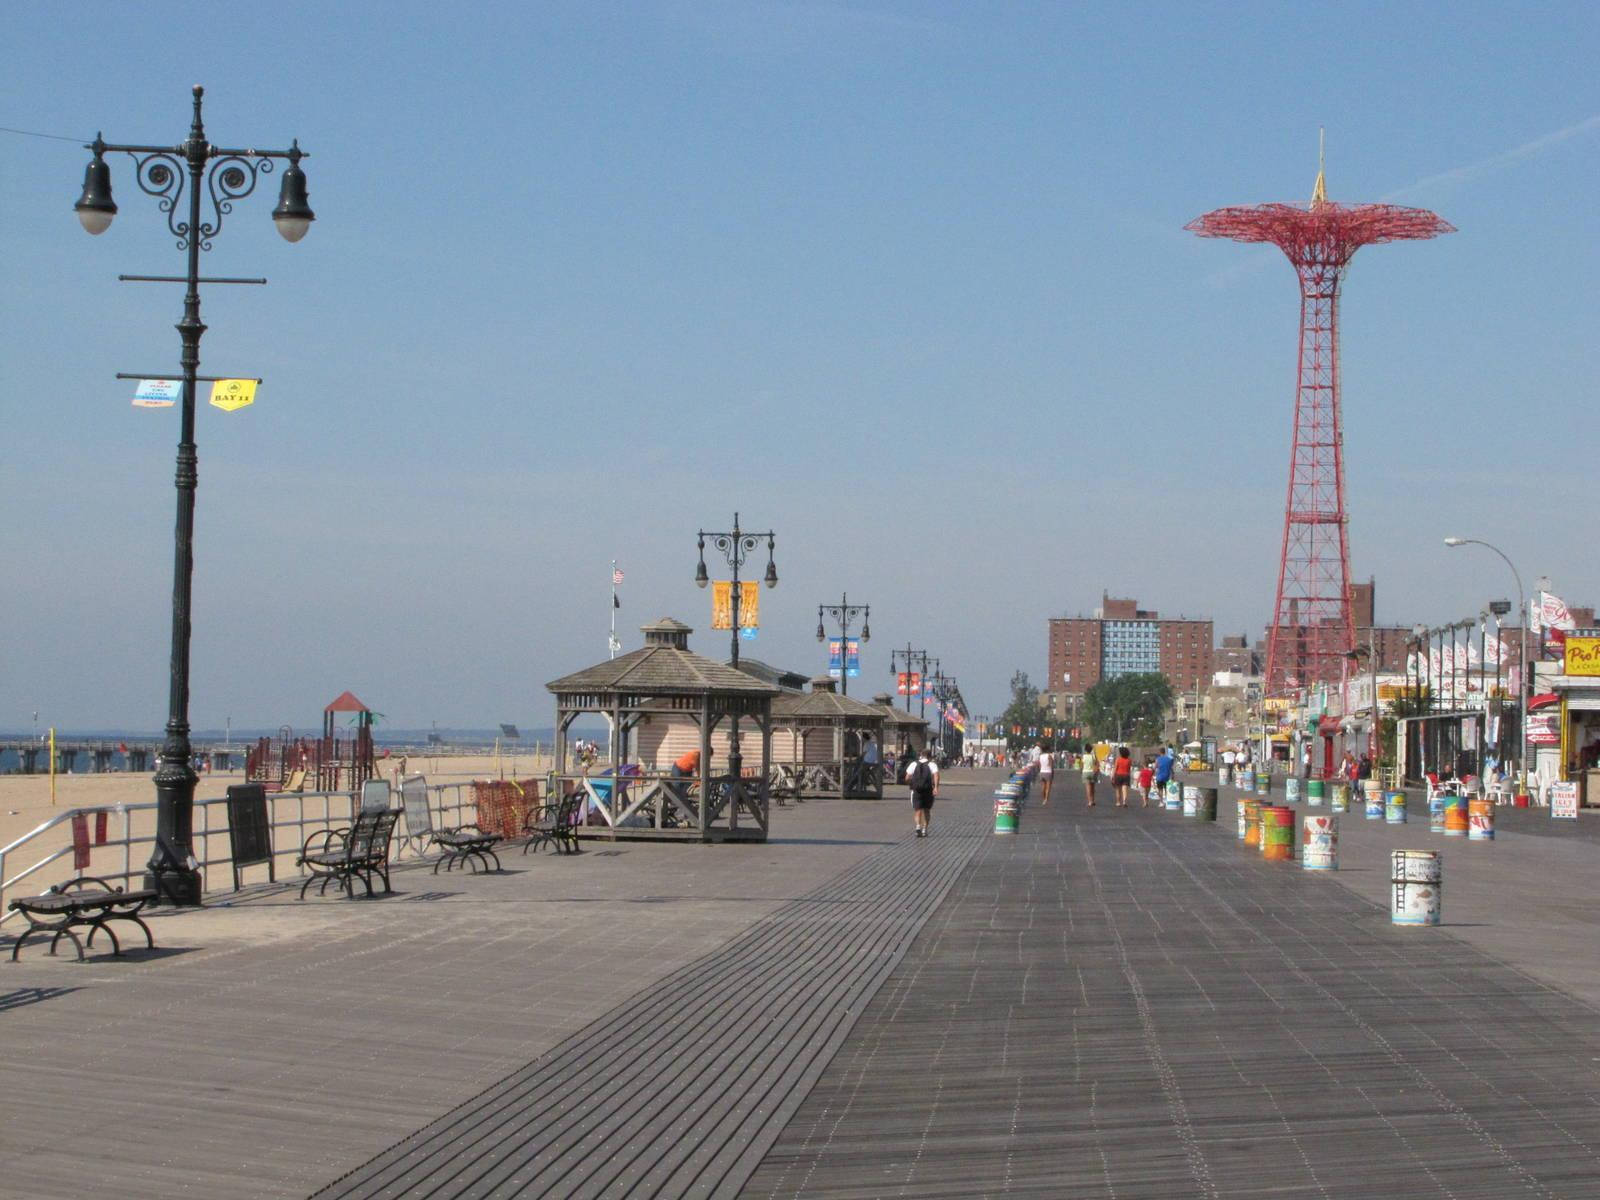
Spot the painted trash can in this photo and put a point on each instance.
(1263, 783)
(1319, 842)
(1373, 795)
(1250, 817)
(1005, 815)
(1455, 816)
(1417, 887)
(1436, 813)
(1316, 792)
(1172, 800)
(1191, 800)
(1291, 790)
(1480, 819)
(1277, 832)
(1394, 808)
(1341, 797)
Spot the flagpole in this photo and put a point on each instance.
(613, 642)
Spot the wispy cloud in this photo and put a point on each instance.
(1499, 161)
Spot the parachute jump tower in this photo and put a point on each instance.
(1312, 626)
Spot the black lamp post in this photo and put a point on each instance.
(226, 175)
(845, 613)
(908, 659)
(736, 545)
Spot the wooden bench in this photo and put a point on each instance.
(83, 902)
(555, 823)
(345, 855)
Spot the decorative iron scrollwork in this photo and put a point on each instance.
(162, 174)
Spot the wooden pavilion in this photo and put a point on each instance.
(662, 701)
(903, 733)
(826, 737)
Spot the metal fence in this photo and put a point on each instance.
(25, 863)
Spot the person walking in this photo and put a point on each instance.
(1047, 773)
(1164, 771)
(1090, 770)
(1121, 774)
(922, 777)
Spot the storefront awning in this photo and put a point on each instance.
(1543, 700)
(1328, 726)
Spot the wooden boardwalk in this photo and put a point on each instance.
(1110, 1003)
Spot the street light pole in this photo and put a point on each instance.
(908, 658)
(736, 545)
(223, 176)
(1526, 686)
(845, 613)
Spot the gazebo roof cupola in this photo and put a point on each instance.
(667, 632)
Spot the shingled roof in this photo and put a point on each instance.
(823, 702)
(897, 716)
(665, 666)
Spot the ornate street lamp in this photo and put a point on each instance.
(220, 177)
(908, 659)
(1522, 620)
(845, 613)
(736, 545)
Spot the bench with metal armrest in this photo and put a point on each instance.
(464, 845)
(86, 902)
(555, 823)
(345, 855)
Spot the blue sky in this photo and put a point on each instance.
(906, 283)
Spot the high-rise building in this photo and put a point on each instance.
(1123, 639)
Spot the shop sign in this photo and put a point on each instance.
(1544, 728)
(1564, 801)
(1582, 653)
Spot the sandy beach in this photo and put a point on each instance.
(25, 801)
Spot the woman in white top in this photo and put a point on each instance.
(1047, 772)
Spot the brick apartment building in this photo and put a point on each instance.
(1124, 639)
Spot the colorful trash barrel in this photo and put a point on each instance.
(1224, 775)
(1436, 813)
(1319, 842)
(1341, 797)
(1005, 815)
(1250, 819)
(1316, 792)
(1191, 800)
(1394, 808)
(1372, 790)
(1205, 808)
(1291, 790)
(1263, 783)
(1277, 831)
(1455, 816)
(1480, 819)
(1173, 800)
(1417, 887)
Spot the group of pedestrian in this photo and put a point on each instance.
(1154, 775)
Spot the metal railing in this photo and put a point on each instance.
(213, 846)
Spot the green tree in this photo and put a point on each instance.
(1024, 713)
(1128, 708)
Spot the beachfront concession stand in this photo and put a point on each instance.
(1576, 695)
(663, 701)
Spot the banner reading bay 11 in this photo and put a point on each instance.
(909, 683)
(722, 604)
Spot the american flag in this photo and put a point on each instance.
(616, 576)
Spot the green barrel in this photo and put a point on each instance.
(1005, 815)
(1315, 790)
(1263, 783)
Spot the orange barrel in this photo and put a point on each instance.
(1418, 886)
(1480, 819)
(1277, 831)
(1319, 843)
(1341, 797)
(1291, 789)
(1394, 808)
(1252, 823)
(1372, 792)
(1315, 788)
(1455, 816)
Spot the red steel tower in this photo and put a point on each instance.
(1312, 629)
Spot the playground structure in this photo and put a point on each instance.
(334, 763)
(1312, 629)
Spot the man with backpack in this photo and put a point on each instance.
(922, 777)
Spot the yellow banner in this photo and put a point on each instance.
(721, 604)
(1582, 656)
(232, 394)
(749, 605)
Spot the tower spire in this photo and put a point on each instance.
(1319, 190)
